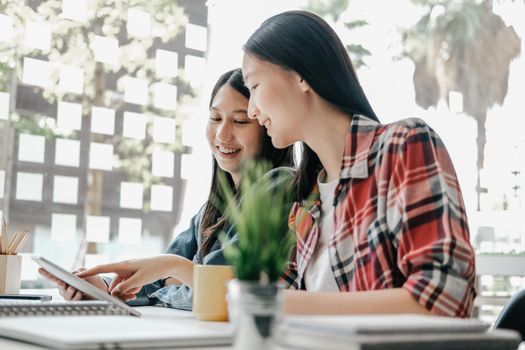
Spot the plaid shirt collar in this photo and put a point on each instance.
(358, 144)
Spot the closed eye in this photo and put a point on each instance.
(254, 87)
(242, 121)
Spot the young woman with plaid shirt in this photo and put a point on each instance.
(379, 217)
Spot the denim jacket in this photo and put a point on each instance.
(186, 244)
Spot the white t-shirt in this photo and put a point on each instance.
(319, 276)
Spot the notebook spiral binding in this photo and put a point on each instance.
(78, 308)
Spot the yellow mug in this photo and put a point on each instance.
(209, 291)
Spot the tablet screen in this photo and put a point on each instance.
(83, 286)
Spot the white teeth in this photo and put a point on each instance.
(266, 123)
(228, 150)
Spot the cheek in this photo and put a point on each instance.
(253, 141)
(210, 135)
(258, 141)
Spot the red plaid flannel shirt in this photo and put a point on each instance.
(399, 219)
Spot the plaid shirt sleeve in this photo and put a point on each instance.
(428, 216)
(399, 217)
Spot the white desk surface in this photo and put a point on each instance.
(170, 315)
(157, 313)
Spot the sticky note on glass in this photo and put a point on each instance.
(97, 229)
(67, 152)
(161, 198)
(130, 230)
(29, 186)
(63, 227)
(65, 189)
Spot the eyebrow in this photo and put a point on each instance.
(235, 111)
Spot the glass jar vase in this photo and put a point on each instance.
(255, 311)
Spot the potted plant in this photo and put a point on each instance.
(260, 254)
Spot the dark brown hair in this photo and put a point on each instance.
(212, 220)
(303, 42)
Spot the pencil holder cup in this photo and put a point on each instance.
(10, 270)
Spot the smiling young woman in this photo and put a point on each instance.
(233, 138)
(386, 231)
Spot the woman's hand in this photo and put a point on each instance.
(131, 275)
(70, 293)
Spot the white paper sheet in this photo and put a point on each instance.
(134, 125)
(131, 195)
(71, 79)
(164, 130)
(29, 186)
(63, 227)
(65, 189)
(67, 152)
(166, 64)
(103, 120)
(100, 156)
(130, 231)
(161, 198)
(75, 10)
(165, 96)
(31, 148)
(196, 37)
(4, 105)
(138, 23)
(37, 35)
(97, 229)
(6, 28)
(105, 50)
(69, 116)
(136, 90)
(194, 70)
(162, 163)
(37, 72)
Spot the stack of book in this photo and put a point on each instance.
(393, 332)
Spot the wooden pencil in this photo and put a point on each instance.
(4, 237)
(13, 242)
(21, 242)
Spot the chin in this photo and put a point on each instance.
(279, 143)
(226, 168)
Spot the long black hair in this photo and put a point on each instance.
(303, 42)
(213, 220)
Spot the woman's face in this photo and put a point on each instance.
(277, 99)
(232, 136)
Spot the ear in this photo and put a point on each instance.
(303, 85)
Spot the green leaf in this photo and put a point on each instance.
(356, 24)
(261, 221)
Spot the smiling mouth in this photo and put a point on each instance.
(228, 150)
(266, 123)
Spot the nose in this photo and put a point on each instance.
(253, 111)
(224, 132)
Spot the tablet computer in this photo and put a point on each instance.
(80, 284)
